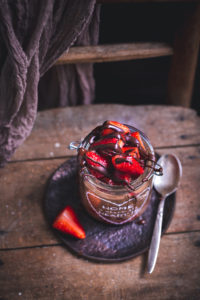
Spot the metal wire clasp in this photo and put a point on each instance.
(74, 145)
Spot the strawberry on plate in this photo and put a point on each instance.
(68, 222)
(127, 164)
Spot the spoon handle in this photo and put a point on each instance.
(155, 241)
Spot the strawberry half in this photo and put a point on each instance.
(124, 177)
(108, 144)
(97, 164)
(116, 126)
(108, 181)
(107, 131)
(67, 222)
(133, 151)
(96, 174)
(138, 137)
(127, 164)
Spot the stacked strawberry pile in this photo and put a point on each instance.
(116, 155)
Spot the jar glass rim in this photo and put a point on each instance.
(148, 173)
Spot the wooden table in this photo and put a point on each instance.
(33, 262)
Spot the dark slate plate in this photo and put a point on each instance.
(103, 242)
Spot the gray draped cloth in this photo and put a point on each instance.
(33, 34)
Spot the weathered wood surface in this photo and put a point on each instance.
(55, 129)
(117, 52)
(184, 61)
(54, 273)
(23, 184)
(22, 221)
(34, 264)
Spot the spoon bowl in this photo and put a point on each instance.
(172, 172)
(165, 186)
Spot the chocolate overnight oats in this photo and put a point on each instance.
(116, 167)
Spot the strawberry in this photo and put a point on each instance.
(107, 131)
(97, 164)
(96, 174)
(108, 144)
(133, 151)
(108, 181)
(118, 179)
(123, 177)
(127, 164)
(95, 159)
(116, 126)
(67, 222)
(120, 143)
(138, 137)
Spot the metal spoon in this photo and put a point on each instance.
(165, 185)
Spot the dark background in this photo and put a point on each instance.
(141, 81)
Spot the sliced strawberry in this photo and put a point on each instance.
(123, 177)
(138, 137)
(127, 164)
(120, 178)
(108, 144)
(108, 181)
(95, 159)
(133, 151)
(107, 131)
(67, 222)
(97, 164)
(116, 126)
(121, 143)
(97, 174)
(103, 142)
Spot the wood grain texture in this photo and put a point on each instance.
(22, 221)
(22, 186)
(117, 52)
(34, 264)
(55, 129)
(54, 273)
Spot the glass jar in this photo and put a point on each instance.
(117, 204)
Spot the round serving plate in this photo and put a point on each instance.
(103, 242)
